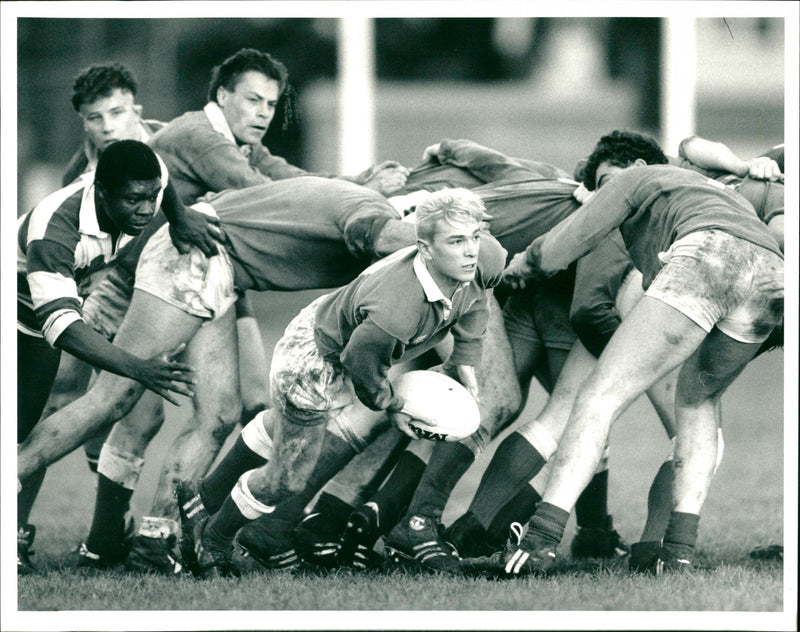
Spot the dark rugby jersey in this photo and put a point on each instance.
(653, 206)
(301, 233)
(394, 311)
(202, 156)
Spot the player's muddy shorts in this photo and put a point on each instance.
(308, 390)
(710, 276)
(198, 285)
(540, 316)
(107, 303)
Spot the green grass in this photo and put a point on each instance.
(744, 509)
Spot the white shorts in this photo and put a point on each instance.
(709, 276)
(198, 285)
(309, 390)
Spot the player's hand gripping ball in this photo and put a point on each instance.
(441, 409)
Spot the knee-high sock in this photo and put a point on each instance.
(117, 475)
(518, 509)
(395, 494)
(591, 509)
(252, 449)
(514, 463)
(659, 504)
(108, 524)
(27, 495)
(448, 463)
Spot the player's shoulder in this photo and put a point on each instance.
(491, 260)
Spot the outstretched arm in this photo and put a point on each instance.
(160, 373)
(485, 164)
(714, 155)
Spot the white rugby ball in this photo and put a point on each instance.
(440, 401)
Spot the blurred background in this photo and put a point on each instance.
(541, 88)
(544, 89)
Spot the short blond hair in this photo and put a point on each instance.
(450, 205)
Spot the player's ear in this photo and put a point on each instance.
(424, 248)
(222, 96)
(138, 109)
(640, 162)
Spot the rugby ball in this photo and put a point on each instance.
(440, 401)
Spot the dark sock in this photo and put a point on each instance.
(682, 529)
(518, 509)
(448, 463)
(108, 524)
(335, 454)
(548, 523)
(215, 487)
(27, 495)
(514, 464)
(395, 494)
(335, 511)
(659, 504)
(224, 524)
(591, 510)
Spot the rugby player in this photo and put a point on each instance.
(294, 234)
(524, 199)
(68, 236)
(210, 150)
(703, 255)
(605, 280)
(104, 97)
(330, 368)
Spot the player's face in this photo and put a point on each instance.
(452, 256)
(606, 171)
(132, 206)
(250, 107)
(111, 118)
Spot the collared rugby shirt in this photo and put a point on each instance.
(59, 245)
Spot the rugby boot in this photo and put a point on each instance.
(270, 543)
(773, 552)
(193, 515)
(154, 555)
(671, 558)
(360, 535)
(468, 537)
(318, 541)
(99, 560)
(25, 535)
(214, 559)
(520, 557)
(643, 556)
(416, 542)
(599, 542)
(154, 548)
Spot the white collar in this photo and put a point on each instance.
(432, 291)
(218, 121)
(87, 217)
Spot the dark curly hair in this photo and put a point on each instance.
(228, 72)
(99, 81)
(621, 148)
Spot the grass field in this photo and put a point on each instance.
(745, 509)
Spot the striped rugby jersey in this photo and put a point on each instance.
(59, 246)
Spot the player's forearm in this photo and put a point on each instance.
(85, 344)
(712, 155)
(393, 236)
(486, 164)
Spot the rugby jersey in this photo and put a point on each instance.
(59, 245)
(85, 158)
(203, 156)
(653, 206)
(395, 311)
(301, 233)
